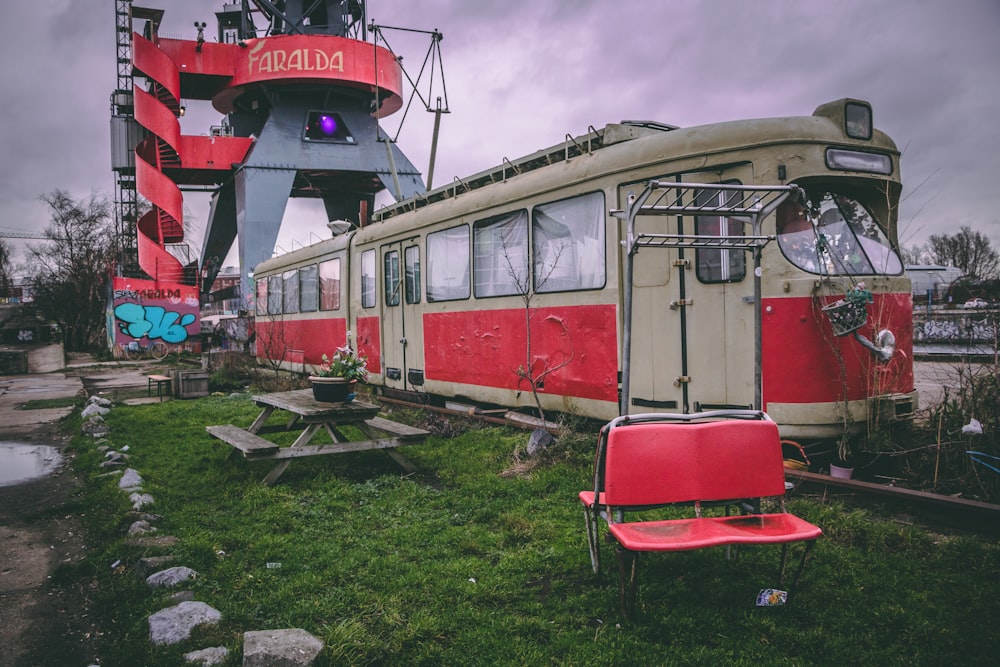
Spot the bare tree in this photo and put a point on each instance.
(520, 279)
(6, 268)
(69, 272)
(967, 250)
(917, 254)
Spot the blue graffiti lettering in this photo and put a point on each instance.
(153, 322)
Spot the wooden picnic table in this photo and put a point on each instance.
(329, 417)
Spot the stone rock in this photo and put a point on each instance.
(174, 624)
(291, 647)
(94, 427)
(539, 441)
(182, 596)
(208, 656)
(140, 528)
(171, 577)
(131, 480)
(150, 564)
(92, 410)
(140, 500)
(97, 400)
(113, 464)
(153, 541)
(112, 455)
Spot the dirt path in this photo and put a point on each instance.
(39, 530)
(40, 526)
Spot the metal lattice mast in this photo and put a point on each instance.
(123, 139)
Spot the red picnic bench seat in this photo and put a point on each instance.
(727, 458)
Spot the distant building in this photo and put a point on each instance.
(224, 295)
(932, 280)
(18, 291)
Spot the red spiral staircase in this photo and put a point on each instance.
(157, 111)
(224, 73)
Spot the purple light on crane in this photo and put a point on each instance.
(328, 125)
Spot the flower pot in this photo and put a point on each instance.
(332, 390)
(840, 472)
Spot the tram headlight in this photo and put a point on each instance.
(874, 163)
(885, 341)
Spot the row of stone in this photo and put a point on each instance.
(292, 647)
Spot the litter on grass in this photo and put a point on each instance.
(771, 597)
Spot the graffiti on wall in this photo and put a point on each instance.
(149, 310)
(955, 328)
(153, 322)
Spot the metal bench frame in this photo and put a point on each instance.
(725, 458)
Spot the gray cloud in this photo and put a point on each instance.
(522, 74)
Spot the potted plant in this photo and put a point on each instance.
(337, 376)
(843, 466)
(850, 313)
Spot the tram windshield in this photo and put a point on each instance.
(831, 234)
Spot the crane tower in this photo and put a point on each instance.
(301, 90)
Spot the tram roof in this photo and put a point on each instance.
(570, 147)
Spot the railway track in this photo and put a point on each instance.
(932, 509)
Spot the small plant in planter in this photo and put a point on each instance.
(335, 378)
(345, 363)
(843, 465)
(850, 313)
(858, 294)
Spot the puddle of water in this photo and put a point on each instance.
(20, 462)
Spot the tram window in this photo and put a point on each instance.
(308, 289)
(500, 246)
(797, 236)
(448, 264)
(568, 241)
(718, 265)
(274, 295)
(368, 279)
(262, 296)
(390, 277)
(412, 258)
(329, 284)
(833, 234)
(290, 291)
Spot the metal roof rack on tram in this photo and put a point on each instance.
(748, 204)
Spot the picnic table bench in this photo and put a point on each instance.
(381, 433)
(723, 459)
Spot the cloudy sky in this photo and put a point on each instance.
(521, 74)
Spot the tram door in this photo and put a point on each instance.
(402, 335)
(693, 314)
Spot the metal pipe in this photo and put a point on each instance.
(434, 144)
(392, 168)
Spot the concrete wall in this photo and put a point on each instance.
(46, 358)
(22, 359)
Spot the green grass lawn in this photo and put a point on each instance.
(463, 564)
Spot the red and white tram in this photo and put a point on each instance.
(706, 264)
